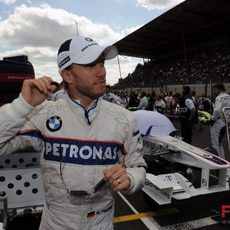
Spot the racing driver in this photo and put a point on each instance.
(90, 148)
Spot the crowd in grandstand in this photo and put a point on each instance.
(202, 64)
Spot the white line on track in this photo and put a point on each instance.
(151, 224)
(147, 222)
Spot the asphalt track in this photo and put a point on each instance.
(138, 212)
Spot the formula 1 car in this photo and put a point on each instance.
(177, 169)
(182, 171)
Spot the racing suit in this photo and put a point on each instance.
(76, 145)
(217, 130)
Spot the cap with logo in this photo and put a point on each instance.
(82, 50)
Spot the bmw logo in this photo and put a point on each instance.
(54, 123)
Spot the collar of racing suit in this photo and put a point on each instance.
(90, 113)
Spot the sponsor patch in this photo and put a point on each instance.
(65, 60)
(54, 123)
(82, 152)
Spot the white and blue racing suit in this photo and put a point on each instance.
(217, 131)
(76, 146)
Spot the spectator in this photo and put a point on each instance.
(159, 103)
(123, 101)
(143, 101)
(194, 99)
(152, 99)
(169, 99)
(187, 115)
(110, 97)
(133, 100)
(205, 104)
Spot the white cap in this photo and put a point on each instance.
(82, 50)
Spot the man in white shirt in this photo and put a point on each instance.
(110, 97)
(143, 101)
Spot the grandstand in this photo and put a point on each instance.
(187, 45)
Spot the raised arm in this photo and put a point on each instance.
(14, 116)
(36, 91)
